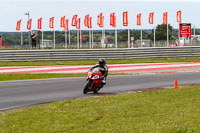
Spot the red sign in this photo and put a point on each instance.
(39, 26)
(62, 22)
(0, 41)
(151, 17)
(74, 20)
(51, 23)
(66, 24)
(113, 20)
(185, 30)
(165, 17)
(178, 16)
(125, 18)
(100, 20)
(18, 25)
(78, 24)
(29, 24)
(139, 19)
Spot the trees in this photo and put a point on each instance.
(161, 32)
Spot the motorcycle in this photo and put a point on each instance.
(93, 82)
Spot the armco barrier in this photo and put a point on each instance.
(86, 54)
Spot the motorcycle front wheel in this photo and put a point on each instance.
(88, 86)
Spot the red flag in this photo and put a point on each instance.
(78, 23)
(66, 24)
(165, 18)
(62, 22)
(113, 20)
(100, 20)
(18, 25)
(29, 24)
(90, 23)
(51, 23)
(74, 20)
(86, 20)
(39, 26)
(151, 17)
(139, 19)
(125, 18)
(0, 41)
(179, 16)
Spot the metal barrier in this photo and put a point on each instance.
(93, 54)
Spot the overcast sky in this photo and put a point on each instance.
(13, 10)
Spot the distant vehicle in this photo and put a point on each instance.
(93, 83)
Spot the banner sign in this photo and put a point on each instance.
(125, 18)
(39, 26)
(179, 16)
(185, 30)
(29, 24)
(18, 25)
(151, 17)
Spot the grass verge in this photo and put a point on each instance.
(91, 62)
(26, 76)
(160, 111)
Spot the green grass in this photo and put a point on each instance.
(8, 77)
(91, 62)
(160, 111)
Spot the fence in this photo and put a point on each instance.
(17, 42)
(84, 54)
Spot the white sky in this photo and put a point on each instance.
(13, 10)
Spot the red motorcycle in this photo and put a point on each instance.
(93, 83)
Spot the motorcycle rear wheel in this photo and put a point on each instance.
(87, 87)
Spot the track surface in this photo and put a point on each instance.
(23, 93)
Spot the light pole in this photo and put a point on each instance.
(28, 14)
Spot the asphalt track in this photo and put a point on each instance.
(30, 92)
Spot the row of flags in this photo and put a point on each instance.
(64, 23)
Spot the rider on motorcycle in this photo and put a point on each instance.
(103, 69)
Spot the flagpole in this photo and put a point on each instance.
(65, 39)
(141, 37)
(167, 35)
(81, 44)
(154, 37)
(69, 37)
(21, 38)
(116, 37)
(77, 39)
(42, 39)
(54, 39)
(128, 37)
(92, 38)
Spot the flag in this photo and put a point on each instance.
(78, 24)
(74, 20)
(179, 16)
(139, 19)
(62, 22)
(39, 24)
(151, 17)
(165, 18)
(66, 24)
(100, 20)
(113, 20)
(125, 18)
(90, 23)
(18, 25)
(29, 24)
(51, 23)
(86, 20)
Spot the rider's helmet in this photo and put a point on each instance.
(102, 62)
